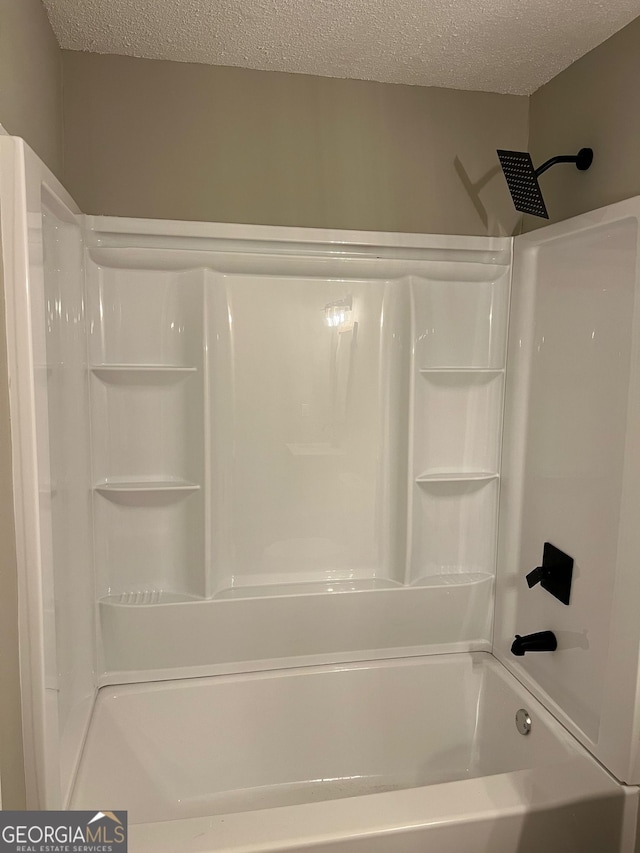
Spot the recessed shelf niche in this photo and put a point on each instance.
(462, 324)
(457, 418)
(454, 527)
(151, 546)
(459, 330)
(146, 349)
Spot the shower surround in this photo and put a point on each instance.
(265, 434)
(271, 458)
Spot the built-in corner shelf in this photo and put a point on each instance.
(137, 374)
(128, 488)
(456, 477)
(147, 597)
(473, 371)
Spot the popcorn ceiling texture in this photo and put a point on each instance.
(510, 46)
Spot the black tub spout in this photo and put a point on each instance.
(543, 641)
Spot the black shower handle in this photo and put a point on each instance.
(537, 575)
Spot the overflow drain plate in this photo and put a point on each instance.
(523, 721)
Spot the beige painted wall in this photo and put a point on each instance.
(31, 107)
(183, 141)
(31, 79)
(595, 103)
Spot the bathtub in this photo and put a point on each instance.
(407, 755)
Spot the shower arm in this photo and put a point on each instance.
(582, 159)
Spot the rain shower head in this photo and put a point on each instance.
(522, 178)
(523, 182)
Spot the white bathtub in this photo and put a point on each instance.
(408, 755)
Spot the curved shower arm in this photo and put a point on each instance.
(566, 158)
(582, 159)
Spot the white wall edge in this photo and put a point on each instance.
(22, 176)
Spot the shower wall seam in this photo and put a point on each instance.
(502, 442)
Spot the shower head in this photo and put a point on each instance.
(522, 177)
(523, 182)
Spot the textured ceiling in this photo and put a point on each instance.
(492, 45)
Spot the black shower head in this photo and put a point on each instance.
(522, 177)
(523, 182)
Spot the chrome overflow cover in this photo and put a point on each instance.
(523, 721)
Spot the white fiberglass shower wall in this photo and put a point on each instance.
(233, 424)
(254, 408)
(267, 415)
